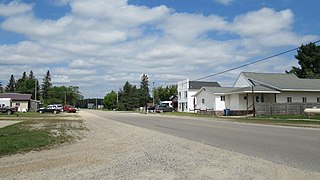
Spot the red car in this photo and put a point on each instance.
(69, 109)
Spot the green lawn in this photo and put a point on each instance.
(37, 132)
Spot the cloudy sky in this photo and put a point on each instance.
(100, 44)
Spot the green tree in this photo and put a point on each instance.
(63, 95)
(144, 96)
(11, 86)
(31, 75)
(27, 85)
(110, 100)
(128, 97)
(164, 93)
(1, 87)
(46, 85)
(308, 57)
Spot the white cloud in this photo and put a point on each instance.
(14, 8)
(109, 42)
(265, 21)
(224, 2)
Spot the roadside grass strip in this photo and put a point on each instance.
(39, 133)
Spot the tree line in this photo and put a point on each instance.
(45, 92)
(129, 97)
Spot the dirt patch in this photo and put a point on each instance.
(7, 123)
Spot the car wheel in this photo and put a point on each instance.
(40, 112)
(9, 112)
(54, 112)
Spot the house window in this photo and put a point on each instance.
(318, 99)
(202, 101)
(186, 94)
(179, 95)
(289, 99)
(257, 98)
(17, 104)
(223, 98)
(304, 99)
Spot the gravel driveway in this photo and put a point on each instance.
(113, 150)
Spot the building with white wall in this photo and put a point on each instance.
(251, 88)
(186, 90)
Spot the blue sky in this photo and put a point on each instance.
(100, 44)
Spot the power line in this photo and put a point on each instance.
(254, 62)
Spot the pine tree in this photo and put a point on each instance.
(46, 85)
(31, 76)
(308, 57)
(144, 91)
(1, 87)
(11, 87)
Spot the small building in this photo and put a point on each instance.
(186, 90)
(22, 101)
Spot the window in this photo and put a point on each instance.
(17, 104)
(257, 98)
(223, 98)
(186, 94)
(179, 95)
(318, 99)
(202, 101)
(304, 99)
(289, 99)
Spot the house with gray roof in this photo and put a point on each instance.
(251, 87)
(186, 90)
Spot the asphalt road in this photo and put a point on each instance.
(294, 147)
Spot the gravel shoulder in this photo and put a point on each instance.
(113, 150)
(4, 123)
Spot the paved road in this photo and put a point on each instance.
(295, 147)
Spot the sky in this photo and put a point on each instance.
(98, 45)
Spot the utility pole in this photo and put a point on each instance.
(253, 104)
(153, 93)
(35, 89)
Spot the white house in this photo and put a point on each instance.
(186, 90)
(291, 88)
(252, 88)
(239, 100)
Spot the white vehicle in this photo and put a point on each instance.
(56, 106)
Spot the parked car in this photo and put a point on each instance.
(7, 109)
(49, 109)
(69, 109)
(163, 108)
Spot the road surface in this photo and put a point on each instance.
(291, 146)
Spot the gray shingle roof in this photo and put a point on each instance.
(200, 84)
(283, 81)
(16, 96)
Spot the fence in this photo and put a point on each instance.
(283, 108)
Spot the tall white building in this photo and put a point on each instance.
(186, 90)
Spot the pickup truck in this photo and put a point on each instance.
(48, 110)
(8, 110)
(69, 109)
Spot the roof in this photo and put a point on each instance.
(200, 84)
(283, 82)
(16, 96)
(236, 90)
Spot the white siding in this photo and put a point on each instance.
(220, 105)
(242, 81)
(297, 96)
(185, 104)
(208, 100)
(234, 102)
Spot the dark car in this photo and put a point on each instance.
(163, 108)
(48, 110)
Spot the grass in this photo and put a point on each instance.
(285, 120)
(38, 132)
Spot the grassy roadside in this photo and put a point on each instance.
(38, 131)
(292, 120)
